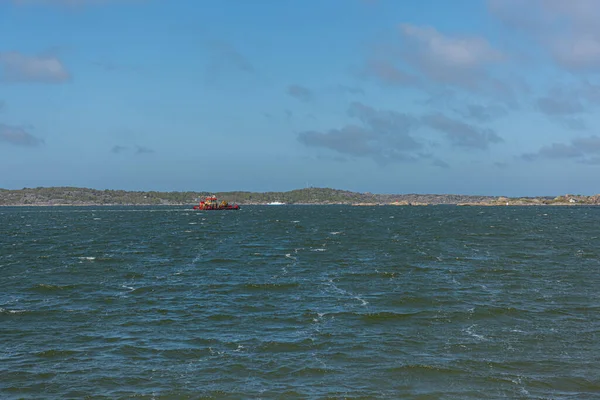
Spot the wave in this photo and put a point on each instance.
(312, 371)
(285, 347)
(4, 311)
(142, 290)
(185, 353)
(136, 352)
(385, 316)
(48, 288)
(270, 286)
(375, 317)
(53, 353)
(423, 369)
(221, 260)
(373, 274)
(222, 317)
(133, 275)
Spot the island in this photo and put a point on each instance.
(73, 196)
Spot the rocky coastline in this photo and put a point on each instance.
(72, 196)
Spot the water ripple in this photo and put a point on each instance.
(300, 302)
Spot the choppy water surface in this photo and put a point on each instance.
(300, 302)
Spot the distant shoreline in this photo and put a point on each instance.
(309, 204)
(85, 197)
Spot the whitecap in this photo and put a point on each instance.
(363, 301)
(4, 310)
(239, 348)
(469, 330)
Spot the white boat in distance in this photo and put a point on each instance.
(275, 203)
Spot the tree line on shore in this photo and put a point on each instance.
(86, 196)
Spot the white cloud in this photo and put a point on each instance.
(453, 52)
(301, 93)
(566, 29)
(460, 133)
(16, 135)
(459, 61)
(423, 57)
(577, 52)
(585, 149)
(384, 136)
(66, 2)
(18, 67)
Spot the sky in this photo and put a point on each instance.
(483, 97)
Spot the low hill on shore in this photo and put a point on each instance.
(47, 196)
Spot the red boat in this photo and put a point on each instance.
(211, 203)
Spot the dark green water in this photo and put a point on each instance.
(300, 302)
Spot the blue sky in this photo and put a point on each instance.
(494, 97)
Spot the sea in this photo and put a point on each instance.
(300, 302)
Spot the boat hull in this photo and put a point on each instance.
(211, 203)
(236, 207)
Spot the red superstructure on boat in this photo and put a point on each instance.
(211, 203)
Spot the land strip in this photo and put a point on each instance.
(73, 196)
